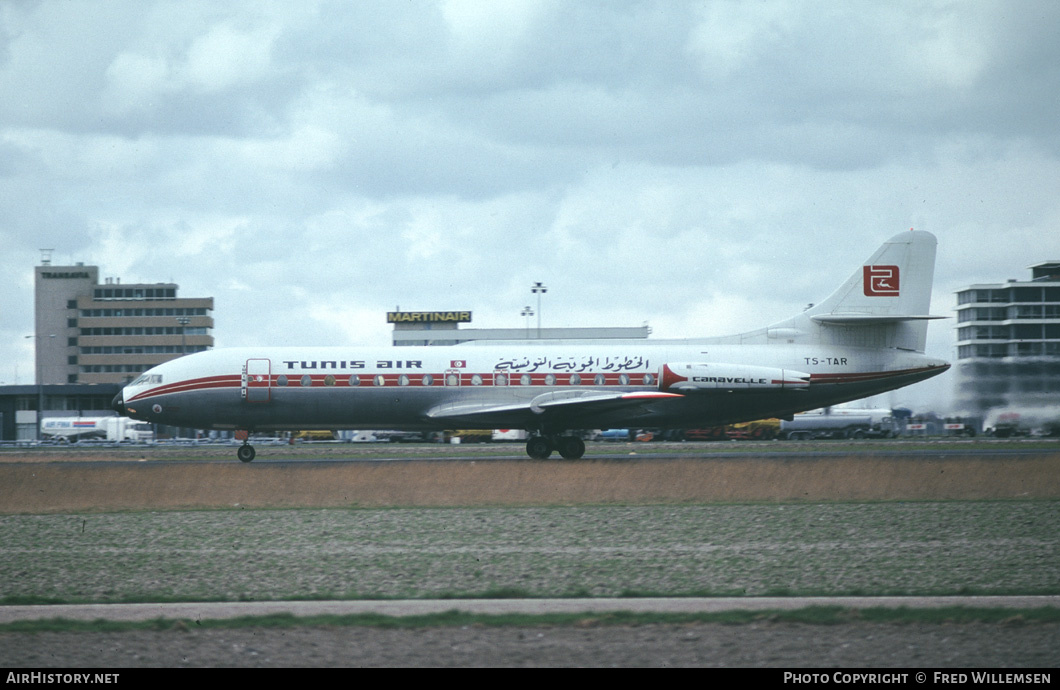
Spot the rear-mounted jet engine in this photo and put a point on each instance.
(688, 377)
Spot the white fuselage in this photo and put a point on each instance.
(499, 386)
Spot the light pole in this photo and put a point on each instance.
(183, 321)
(37, 355)
(527, 312)
(538, 289)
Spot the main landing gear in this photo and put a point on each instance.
(541, 447)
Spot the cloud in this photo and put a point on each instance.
(704, 167)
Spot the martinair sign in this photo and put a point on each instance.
(428, 317)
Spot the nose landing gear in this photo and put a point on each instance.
(245, 452)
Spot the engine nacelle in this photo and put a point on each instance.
(694, 376)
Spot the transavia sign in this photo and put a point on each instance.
(66, 274)
(428, 317)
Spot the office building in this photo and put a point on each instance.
(1008, 343)
(87, 332)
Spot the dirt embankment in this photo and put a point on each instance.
(91, 484)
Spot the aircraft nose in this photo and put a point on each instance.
(118, 403)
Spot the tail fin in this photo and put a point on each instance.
(885, 303)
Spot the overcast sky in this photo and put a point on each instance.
(705, 167)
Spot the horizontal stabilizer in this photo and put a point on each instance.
(869, 319)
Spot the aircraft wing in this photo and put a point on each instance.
(567, 403)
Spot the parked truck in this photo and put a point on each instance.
(962, 426)
(842, 423)
(115, 429)
(1009, 425)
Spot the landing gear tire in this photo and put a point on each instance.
(538, 447)
(245, 452)
(571, 447)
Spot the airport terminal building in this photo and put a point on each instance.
(91, 338)
(1008, 343)
(87, 332)
(443, 328)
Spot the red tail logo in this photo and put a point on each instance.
(881, 281)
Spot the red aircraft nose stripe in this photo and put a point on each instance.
(190, 385)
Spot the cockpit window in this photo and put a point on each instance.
(147, 378)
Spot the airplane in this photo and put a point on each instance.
(868, 337)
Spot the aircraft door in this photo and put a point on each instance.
(257, 381)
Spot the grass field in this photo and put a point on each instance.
(982, 547)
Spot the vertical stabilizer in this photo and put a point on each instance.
(884, 303)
